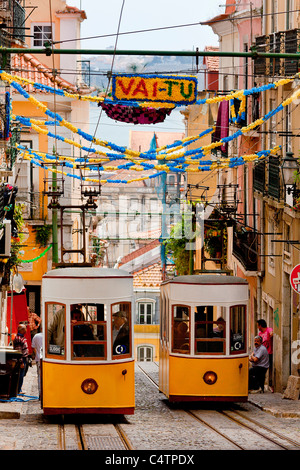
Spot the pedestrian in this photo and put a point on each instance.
(20, 344)
(260, 363)
(37, 344)
(34, 322)
(267, 340)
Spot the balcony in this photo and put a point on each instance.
(12, 14)
(245, 244)
(280, 42)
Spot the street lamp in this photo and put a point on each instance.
(289, 169)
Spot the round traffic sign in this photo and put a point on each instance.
(295, 278)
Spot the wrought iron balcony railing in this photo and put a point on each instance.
(245, 246)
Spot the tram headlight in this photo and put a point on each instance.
(210, 377)
(89, 386)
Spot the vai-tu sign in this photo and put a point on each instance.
(155, 88)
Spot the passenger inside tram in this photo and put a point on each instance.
(209, 333)
(219, 329)
(181, 335)
(120, 333)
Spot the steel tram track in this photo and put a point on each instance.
(254, 422)
(74, 437)
(288, 440)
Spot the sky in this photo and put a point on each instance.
(103, 19)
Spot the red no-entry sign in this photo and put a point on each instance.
(295, 278)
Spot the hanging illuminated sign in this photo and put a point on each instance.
(154, 88)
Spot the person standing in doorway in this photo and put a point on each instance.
(266, 334)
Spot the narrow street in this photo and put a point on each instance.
(155, 426)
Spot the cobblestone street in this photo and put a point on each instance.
(156, 425)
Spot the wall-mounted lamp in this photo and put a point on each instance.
(289, 168)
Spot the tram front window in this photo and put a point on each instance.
(181, 327)
(210, 330)
(121, 328)
(56, 323)
(237, 329)
(88, 331)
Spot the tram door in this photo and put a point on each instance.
(163, 353)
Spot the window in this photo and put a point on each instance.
(42, 34)
(121, 330)
(171, 181)
(210, 330)
(145, 353)
(88, 331)
(237, 329)
(145, 312)
(181, 329)
(56, 327)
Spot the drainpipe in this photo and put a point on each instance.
(264, 20)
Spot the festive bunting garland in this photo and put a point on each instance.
(148, 155)
(208, 165)
(174, 161)
(217, 99)
(37, 257)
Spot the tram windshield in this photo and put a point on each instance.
(181, 329)
(210, 330)
(88, 331)
(121, 330)
(237, 329)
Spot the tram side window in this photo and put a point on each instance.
(88, 331)
(210, 330)
(237, 329)
(181, 329)
(56, 326)
(121, 329)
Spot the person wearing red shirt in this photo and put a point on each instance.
(267, 340)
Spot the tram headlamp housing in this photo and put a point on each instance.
(210, 377)
(89, 386)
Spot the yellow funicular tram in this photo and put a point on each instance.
(203, 338)
(88, 363)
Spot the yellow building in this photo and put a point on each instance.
(62, 73)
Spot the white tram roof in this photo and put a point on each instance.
(206, 279)
(78, 284)
(207, 289)
(86, 272)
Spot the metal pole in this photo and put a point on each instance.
(54, 220)
(253, 54)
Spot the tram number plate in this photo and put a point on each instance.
(238, 341)
(55, 349)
